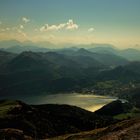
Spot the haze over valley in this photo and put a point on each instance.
(69, 70)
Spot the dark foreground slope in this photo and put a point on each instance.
(63, 122)
(125, 130)
(43, 121)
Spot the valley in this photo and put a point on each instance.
(76, 90)
(69, 70)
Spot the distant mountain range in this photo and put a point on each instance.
(26, 68)
(61, 70)
(10, 43)
(30, 70)
(131, 54)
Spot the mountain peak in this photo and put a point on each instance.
(83, 51)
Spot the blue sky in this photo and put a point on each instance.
(71, 21)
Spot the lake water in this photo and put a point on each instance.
(86, 101)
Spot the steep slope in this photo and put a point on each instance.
(114, 108)
(106, 59)
(121, 73)
(125, 130)
(103, 58)
(32, 60)
(26, 61)
(104, 49)
(14, 134)
(43, 121)
(134, 66)
(86, 61)
(130, 54)
(35, 73)
(132, 95)
(6, 57)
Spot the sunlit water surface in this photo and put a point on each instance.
(86, 101)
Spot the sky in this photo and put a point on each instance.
(114, 22)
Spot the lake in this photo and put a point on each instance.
(86, 101)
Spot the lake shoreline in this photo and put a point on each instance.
(90, 102)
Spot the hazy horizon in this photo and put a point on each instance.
(71, 22)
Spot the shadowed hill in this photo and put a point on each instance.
(37, 72)
(125, 130)
(6, 57)
(114, 108)
(108, 59)
(43, 121)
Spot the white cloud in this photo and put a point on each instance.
(61, 26)
(44, 28)
(91, 29)
(71, 25)
(25, 20)
(21, 27)
(48, 27)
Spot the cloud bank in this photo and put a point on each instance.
(70, 25)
